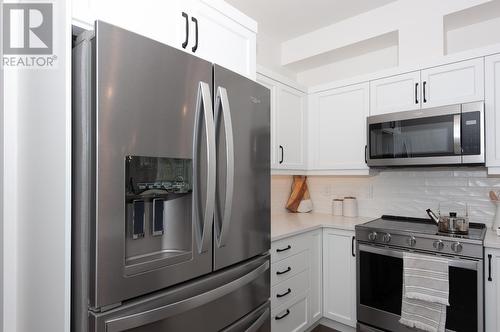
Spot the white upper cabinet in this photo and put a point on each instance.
(455, 83)
(290, 128)
(395, 94)
(212, 30)
(337, 129)
(492, 109)
(288, 125)
(223, 40)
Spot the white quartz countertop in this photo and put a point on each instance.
(285, 224)
(491, 240)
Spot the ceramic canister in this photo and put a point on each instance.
(350, 207)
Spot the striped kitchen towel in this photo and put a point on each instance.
(426, 278)
(425, 292)
(423, 315)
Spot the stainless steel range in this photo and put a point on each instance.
(380, 247)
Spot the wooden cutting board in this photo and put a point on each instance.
(299, 193)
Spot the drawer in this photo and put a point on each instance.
(288, 247)
(288, 267)
(290, 319)
(289, 289)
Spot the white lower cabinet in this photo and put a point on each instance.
(339, 276)
(296, 292)
(492, 289)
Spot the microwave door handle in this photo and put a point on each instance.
(204, 104)
(457, 127)
(222, 106)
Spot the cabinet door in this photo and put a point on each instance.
(339, 277)
(338, 128)
(395, 94)
(158, 20)
(223, 40)
(492, 289)
(492, 108)
(456, 83)
(290, 128)
(316, 277)
(271, 85)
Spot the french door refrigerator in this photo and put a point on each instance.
(171, 190)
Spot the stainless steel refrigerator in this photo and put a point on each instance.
(171, 190)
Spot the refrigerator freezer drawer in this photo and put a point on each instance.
(210, 303)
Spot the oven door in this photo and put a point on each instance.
(380, 289)
(419, 137)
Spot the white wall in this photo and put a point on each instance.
(269, 56)
(407, 192)
(36, 193)
(427, 30)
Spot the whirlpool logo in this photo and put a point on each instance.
(27, 39)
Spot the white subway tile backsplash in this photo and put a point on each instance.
(400, 191)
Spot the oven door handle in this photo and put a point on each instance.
(398, 253)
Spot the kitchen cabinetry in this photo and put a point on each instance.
(492, 113)
(339, 276)
(296, 291)
(492, 289)
(337, 129)
(395, 94)
(455, 83)
(288, 125)
(214, 30)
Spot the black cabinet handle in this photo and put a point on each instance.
(353, 253)
(283, 272)
(416, 93)
(489, 268)
(283, 316)
(425, 84)
(288, 247)
(284, 294)
(282, 154)
(195, 47)
(366, 149)
(185, 44)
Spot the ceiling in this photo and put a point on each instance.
(286, 19)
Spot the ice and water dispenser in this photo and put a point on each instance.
(158, 200)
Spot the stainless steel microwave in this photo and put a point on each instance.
(448, 135)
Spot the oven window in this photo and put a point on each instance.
(422, 137)
(381, 282)
(462, 312)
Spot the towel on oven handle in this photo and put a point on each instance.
(426, 278)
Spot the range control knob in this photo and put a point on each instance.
(439, 245)
(456, 247)
(372, 236)
(412, 241)
(387, 238)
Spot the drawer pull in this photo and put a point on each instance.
(284, 294)
(288, 247)
(283, 272)
(283, 316)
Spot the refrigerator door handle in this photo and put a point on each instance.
(222, 106)
(150, 316)
(204, 104)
